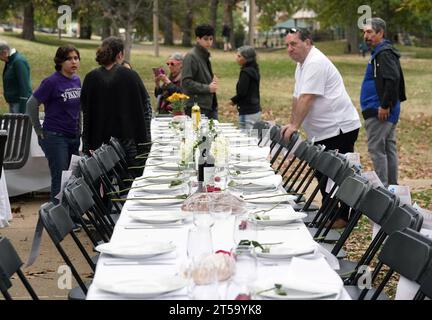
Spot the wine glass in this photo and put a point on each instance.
(220, 210)
(201, 213)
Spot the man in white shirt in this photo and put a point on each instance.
(320, 103)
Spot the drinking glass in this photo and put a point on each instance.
(220, 210)
(221, 178)
(201, 212)
(199, 243)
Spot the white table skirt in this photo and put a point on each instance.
(33, 176)
(5, 209)
(222, 233)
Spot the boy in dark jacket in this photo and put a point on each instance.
(198, 80)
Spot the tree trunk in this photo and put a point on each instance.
(213, 18)
(106, 28)
(352, 38)
(28, 25)
(167, 23)
(230, 17)
(128, 40)
(85, 28)
(188, 23)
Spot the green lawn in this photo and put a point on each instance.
(277, 72)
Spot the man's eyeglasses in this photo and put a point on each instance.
(172, 64)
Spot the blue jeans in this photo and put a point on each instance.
(14, 107)
(246, 121)
(58, 150)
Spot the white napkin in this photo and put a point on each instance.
(312, 276)
(269, 181)
(252, 153)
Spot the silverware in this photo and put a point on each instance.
(152, 227)
(136, 263)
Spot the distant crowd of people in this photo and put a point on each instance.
(114, 101)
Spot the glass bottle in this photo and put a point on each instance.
(196, 116)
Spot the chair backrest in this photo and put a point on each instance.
(58, 224)
(328, 164)
(377, 204)
(10, 263)
(260, 126)
(352, 191)
(80, 199)
(402, 217)
(118, 147)
(301, 149)
(90, 169)
(406, 252)
(17, 149)
(3, 138)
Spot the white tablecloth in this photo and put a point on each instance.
(5, 209)
(33, 176)
(222, 233)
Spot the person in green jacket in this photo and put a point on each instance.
(16, 78)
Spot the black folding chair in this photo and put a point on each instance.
(19, 129)
(58, 224)
(398, 219)
(100, 184)
(275, 136)
(377, 204)
(79, 199)
(108, 165)
(261, 128)
(407, 252)
(284, 148)
(10, 263)
(348, 196)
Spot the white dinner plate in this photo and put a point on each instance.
(147, 287)
(158, 188)
(285, 250)
(158, 218)
(277, 218)
(136, 250)
(269, 198)
(293, 294)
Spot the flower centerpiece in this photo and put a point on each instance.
(177, 103)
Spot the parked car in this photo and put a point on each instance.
(7, 27)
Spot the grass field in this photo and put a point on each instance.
(277, 71)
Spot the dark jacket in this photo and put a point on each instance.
(389, 78)
(114, 103)
(197, 74)
(16, 81)
(163, 92)
(247, 98)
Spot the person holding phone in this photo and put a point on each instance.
(167, 85)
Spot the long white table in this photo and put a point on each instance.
(5, 209)
(106, 272)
